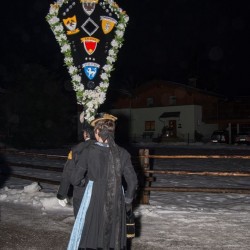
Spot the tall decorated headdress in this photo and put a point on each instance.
(90, 34)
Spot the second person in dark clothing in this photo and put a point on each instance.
(70, 167)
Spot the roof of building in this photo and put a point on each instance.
(180, 85)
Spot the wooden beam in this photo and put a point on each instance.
(197, 156)
(27, 165)
(198, 189)
(206, 173)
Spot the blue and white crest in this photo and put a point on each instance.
(90, 69)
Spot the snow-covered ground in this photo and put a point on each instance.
(172, 220)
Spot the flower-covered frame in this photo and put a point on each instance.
(89, 99)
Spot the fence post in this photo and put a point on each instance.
(144, 160)
(141, 176)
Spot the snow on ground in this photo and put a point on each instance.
(171, 221)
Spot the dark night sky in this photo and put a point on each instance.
(166, 39)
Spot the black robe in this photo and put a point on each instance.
(95, 162)
(68, 169)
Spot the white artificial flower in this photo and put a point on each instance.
(110, 2)
(102, 97)
(111, 52)
(79, 87)
(91, 94)
(121, 26)
(104, 86)
(58, 28)
(53, 9)
(110, 59)
(114, 43)
(91, 118)
(126, 18)
(72, 69)
(60, 2)
(97, 89)
(104, 76)
(90, 105)
(53, 20)
(65, 48)
(68, 59)
(59, 40)
(84, 97)
(62, 37)
(75, 89)
(96, 105)
(119, 33)
(92, 110)
(107, 67)
(76, 78)
(87, 113)
(101, 85)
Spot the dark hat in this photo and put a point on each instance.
(103, 116)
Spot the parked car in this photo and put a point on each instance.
(220, 136)
(243, 138)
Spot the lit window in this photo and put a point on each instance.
(149, 125)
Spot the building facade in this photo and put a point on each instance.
(169, 111)
(175, 123)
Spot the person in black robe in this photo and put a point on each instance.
(105, 200)
(65, 187)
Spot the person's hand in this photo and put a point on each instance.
(63, 202)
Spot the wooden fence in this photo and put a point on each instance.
(146, 172)
(144, 157)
